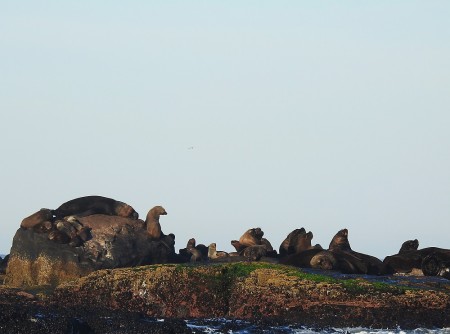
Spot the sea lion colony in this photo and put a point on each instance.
(62, 226)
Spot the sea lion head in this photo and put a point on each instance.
(191, 243)
(323, 260)
(340, 241)
(37, 218)
(155, 212)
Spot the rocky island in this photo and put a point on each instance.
(104, 272)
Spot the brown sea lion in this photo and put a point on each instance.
(409, 245)
(254, 253)
(66, 227)
(267, 244)
(251, 237)
(213, 253)
(193, 252)
(287, 244)
(324, 260)
(312, 258)
(437, 264)
(340, 241)
(37, 218)
(237, 245)
(301, 243)
(355, 262)
(411, 261)
(90, 205)
(152, 222)
(59, 237)
(44, 227)
(196, 255)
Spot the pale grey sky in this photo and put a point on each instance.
(237, 114)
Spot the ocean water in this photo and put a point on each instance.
(243, 327)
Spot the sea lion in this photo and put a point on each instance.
(191, 253)
(196, 255)
(312, 258)
(409, 245)
(437, 264)
(340, 241)
(152, 222)
(301, 243)
(411, 260)
(37, 218)
(324, 259)
(90, 205)
(59, 237)
(267, 244)
(251, 237)
(44, 227)
(237, 245)
(66, 227)
(287, 244)
(213, 253)
(355, 262)
(254, 253)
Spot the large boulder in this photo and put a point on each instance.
(40, 258)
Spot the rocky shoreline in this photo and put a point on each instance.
(126, 300)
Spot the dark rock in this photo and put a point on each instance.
(113, 242)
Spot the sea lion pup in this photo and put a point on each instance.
(90, 205)
(37, 218)
(152, 222)
(251, 237)
(213, 253)
(351, 261)
(286, 244)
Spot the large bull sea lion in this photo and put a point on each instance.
(251, 237)
(90, 205)
(354, 262)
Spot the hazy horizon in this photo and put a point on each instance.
(232, 115)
